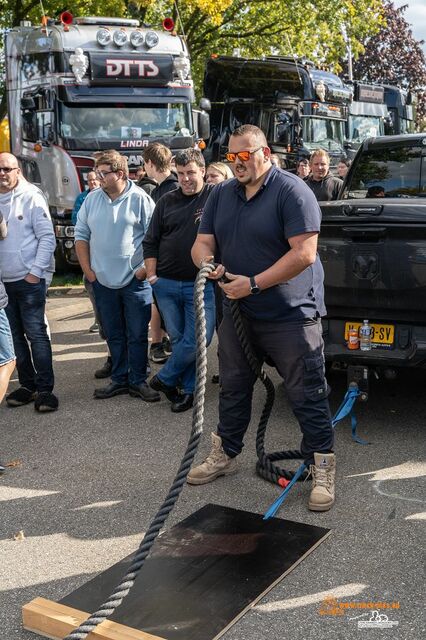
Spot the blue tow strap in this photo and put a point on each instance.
(278, 502)
(345, 409)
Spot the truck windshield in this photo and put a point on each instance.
(322, 133)
(362, 127)
(92, 126)
(398, 172)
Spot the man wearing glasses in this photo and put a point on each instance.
(264, 226)
(26, 260)
(111, 225)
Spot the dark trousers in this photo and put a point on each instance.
(125, 314)
(297, 351)
(25, 312)
(89, 290)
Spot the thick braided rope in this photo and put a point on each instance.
(264, 467)
(121, 591)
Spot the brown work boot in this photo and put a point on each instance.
(216, 464)
(323, 473)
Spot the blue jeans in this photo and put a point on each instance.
(175, 300)
(125, 314)
(25, 313)
(7, 353)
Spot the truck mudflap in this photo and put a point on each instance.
(395, 344)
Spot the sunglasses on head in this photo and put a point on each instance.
(244, 156)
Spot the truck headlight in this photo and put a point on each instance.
(69, 232)
(59, 231)
(119, 38)
(136, 39)
(103, 37)
(151, 39)
(69, 244)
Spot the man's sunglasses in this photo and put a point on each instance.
(244, 156)
(102, 174)
(8, 169)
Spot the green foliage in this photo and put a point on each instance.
(265, 27)
(256, 28)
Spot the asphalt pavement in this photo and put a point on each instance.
(84, 483)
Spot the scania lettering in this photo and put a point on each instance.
(79, 85)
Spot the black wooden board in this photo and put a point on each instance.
(204, 573)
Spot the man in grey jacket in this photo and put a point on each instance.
(26, 257)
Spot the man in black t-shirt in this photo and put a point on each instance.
(264, 224)
(171, 273)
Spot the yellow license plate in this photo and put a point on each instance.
(381, 334)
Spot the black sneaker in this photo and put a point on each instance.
(144, 391)
(20, 397)
(184, 403)
(45, 402)
(171, 393)
(167, 346)
(105, 370)
(156, 353)
(111, 390)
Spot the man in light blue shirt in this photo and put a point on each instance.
(111, 225)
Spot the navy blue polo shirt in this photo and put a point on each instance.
(251, 235)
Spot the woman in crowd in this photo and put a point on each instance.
(7, 354)
(218, 172)
(343, 167)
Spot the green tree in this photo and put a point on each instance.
(394, 56)
(257, 27)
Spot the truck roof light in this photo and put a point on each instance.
(151, 39)
(137, 39)
(168, 24)
(120, 38)
(103, 37)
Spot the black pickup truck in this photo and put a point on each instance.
(373, 248)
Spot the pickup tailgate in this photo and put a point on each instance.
(374, 258)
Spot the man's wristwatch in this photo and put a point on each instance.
(254, 289)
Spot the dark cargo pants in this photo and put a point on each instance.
(297, 351)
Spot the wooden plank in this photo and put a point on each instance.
(54, 620)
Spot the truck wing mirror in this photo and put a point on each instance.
(28, 104)
(204, 125)
(205, 104)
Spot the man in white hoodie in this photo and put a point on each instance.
(26, 259)
(111, 225)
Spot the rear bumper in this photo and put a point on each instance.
(408, 350)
